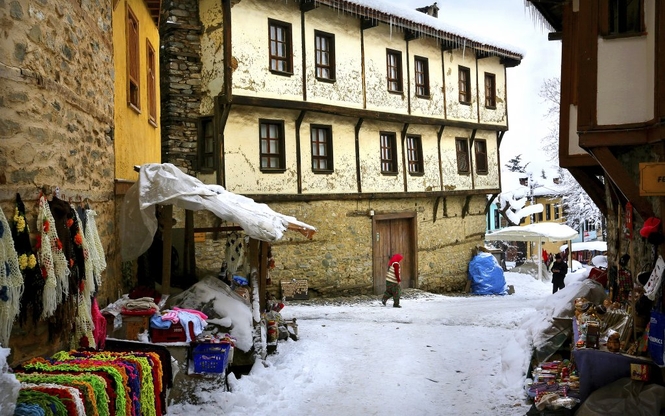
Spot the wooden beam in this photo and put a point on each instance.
(465, 208)
(308, 5)
(286, 197)
(366, 23)
(489, 203)
(166, 218)
(359, 113)
(592, 185)
(357, 150)
(622, 179)
(555, 36)
(411, 35)
(189, 254)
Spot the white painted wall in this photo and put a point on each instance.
(370, 156)
(452, 60)
(377, 40)
(573, 138)
(626, 85)
(452, 181)
(491, 179)
(430, 107)
(347, 89)
(498, 115)
(241, 152)
(429, 181)
(343, 178)
(251, 49)
(212, 62)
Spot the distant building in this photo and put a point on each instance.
(374, 123)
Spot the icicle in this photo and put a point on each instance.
(463, 49)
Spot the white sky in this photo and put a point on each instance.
(437, 355)
(510, 22)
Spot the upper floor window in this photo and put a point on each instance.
(324, 44)
(133, 66)
(414, 151)
(490, 90)
(462, 149)
(464, 75)
(322, 160)
(272, 154)
(540, 217)
(388, 153)
(281, 56)
(480, 147)
(422, 76)
(623, 17)
(206, 145)
(151, 63)
(394, 70)
(548, 212)
(557, 212)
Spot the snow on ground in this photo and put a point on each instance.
(437, 355)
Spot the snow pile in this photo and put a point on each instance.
(223, 307)
(9, 386)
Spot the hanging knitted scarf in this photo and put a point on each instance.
(84, 325)
(234, 251)
(95, 247)
(52, 260)
(11, 281)
(31, 301)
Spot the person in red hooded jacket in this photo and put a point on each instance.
(393, 280)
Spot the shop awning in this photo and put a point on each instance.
(544, 232)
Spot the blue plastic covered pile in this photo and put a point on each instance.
(486, 275)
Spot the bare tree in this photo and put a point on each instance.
(578, 206)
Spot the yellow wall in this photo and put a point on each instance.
(137, 141)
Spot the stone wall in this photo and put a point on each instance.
(180, 67)
(338, 260)
(56, 123)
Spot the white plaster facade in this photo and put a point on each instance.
(357, 108)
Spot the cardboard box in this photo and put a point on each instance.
(639, 372)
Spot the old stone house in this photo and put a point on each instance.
(374, 123)
(77, 113)
(612, 108)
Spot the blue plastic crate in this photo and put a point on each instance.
(211, 358)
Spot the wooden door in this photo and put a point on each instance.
(394, 233)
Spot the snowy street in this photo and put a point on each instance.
(437, 355)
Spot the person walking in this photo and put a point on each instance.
(393, 280)
(559, 270)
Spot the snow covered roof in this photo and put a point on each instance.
(404, 18)
(587, 245)
(542, 231)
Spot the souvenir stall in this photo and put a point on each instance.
(617, 327)
(132, 373)
(56, 281)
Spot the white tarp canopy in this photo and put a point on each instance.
(544, 232)
(167, 185)
(586, 245)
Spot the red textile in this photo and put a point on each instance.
(100, 325)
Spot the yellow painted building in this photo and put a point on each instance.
(137, 111)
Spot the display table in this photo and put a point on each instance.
(599, 367)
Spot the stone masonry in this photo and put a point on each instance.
(180, 66)
(56, 124)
